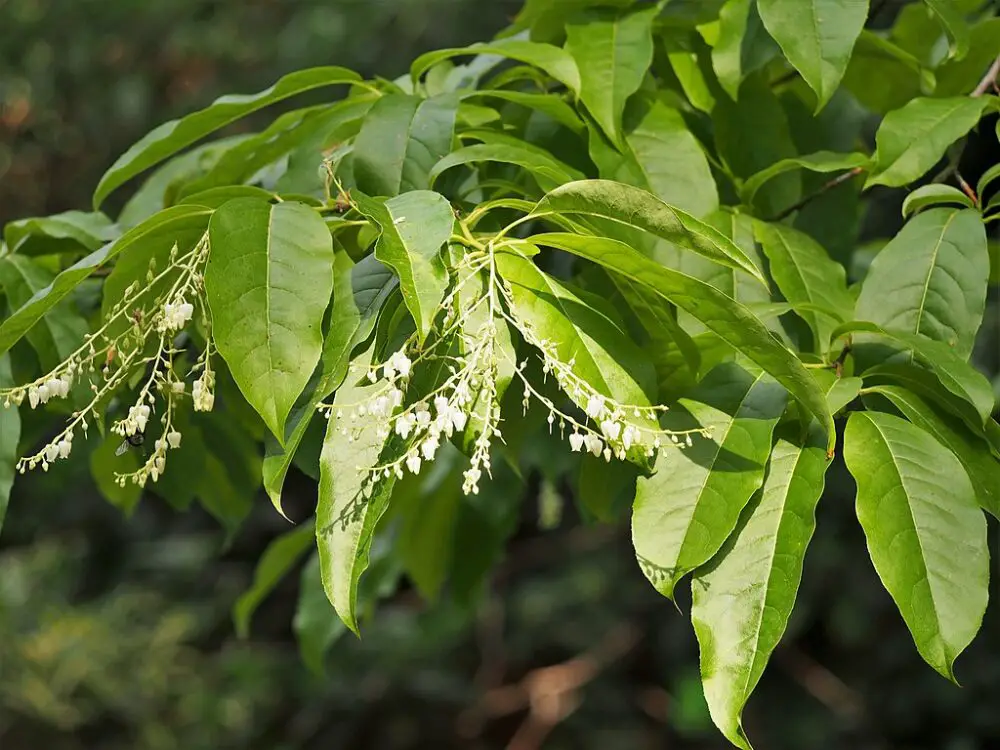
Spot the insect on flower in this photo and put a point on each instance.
(135, 440)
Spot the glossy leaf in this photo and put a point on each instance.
(981, 466)
(279, 557)
(414, 227)
(685, 511)
(817, 37)
(10, 436)
(537, 161)
(613, 51)
(360, 291)
(805, 274)
(553, 60)
(911, 140)
(659, 154)
(821, 161)
(743, 597)
(549, 104)
(926, 533)
(931, 279)
(269, 280)
(640, 209)
(62, 328)
(730, 320)
(401, 139)
(171, 137)
(28, 314)
(68, 232)
(934, 194)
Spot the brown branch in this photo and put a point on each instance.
(824, 188)
(989, 80)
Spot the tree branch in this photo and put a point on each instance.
(824, 188)
(988, 79)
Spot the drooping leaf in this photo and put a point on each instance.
(173, 136)
(62, 328)
(926, 533)
(817, 37)
(360, 290)
(911, 140)
(821, 161)
(982, 467)
(269, 280)
(731, 321)
(279, 557)
(28, 314)
(685, 511)
(659, 154)
(401, 139)
(954, 25)
(639, 209)
(805, 274)
(414, 227)
(68, 232)
(743, 45)
(553, 60)
(10, 436)
(550, 171)
(613, 51)
(931, 279)
(604, 356)
(743, 597)
(934, 194)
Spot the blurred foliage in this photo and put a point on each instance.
(117, 634)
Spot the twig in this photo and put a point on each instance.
(988, 80)
(824, 188)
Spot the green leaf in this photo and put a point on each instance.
(401, 139)
(10, 436)
(67, 232)
(686, 510)
(605, 489)
(925, 531)
(231, 476)
(931, 279)
(982, 467)
(269, 280)
(934, 194)
(535, 160)
(731, 321)
(170, 137)
(659, 154)
(817, 37)
(28, 314)
(913, 139)
(349, 507)
(805, 274)
(689, 55)
(883, 76)
(553, 60)
(840, 391)
(954, 373)
(414, 227)
(62, 328)
(613, 52)
(640, 209)
(550, 104)
(743, 45)
(360, 290)
(821, 161)
(752, 134)
(279, 557)
(604, 356)
(743, 598)
(989, 177)
(959, 76)
(316, 625)
(954, 25)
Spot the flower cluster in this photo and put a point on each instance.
(109, 359)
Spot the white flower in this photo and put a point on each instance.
(396, 397)
(423, 416)
(202, 395)
(404, 425)
(174, 439)
(33, 396)
(65, 446)
(576, 441)
(380, 407)
(441, 406)
(160, 463)
(373, 376)
(44, 393)
(593, 444)
(611, 429)
(471, 485)
(429, 447)
(630, 435)
(178, 386)
(595, 407)
(458, 419)
(51, 452)
(400, 363)
(413, 463)
(176, 315)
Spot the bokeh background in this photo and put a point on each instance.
(116, 633)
